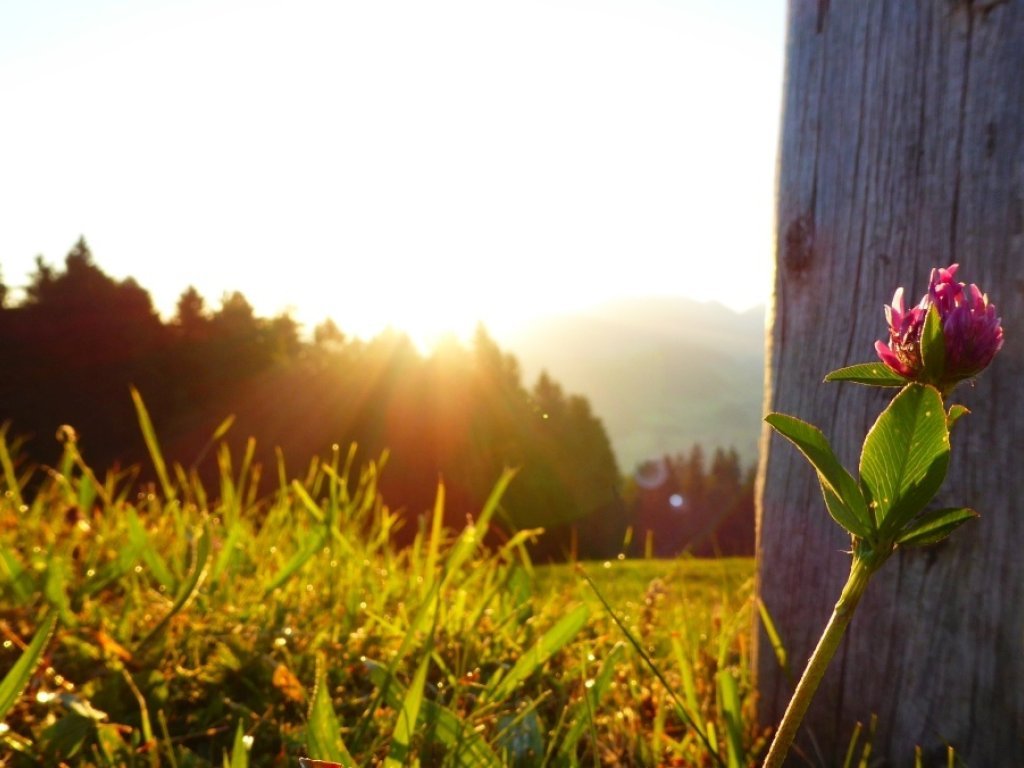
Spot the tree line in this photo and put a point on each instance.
(79, 339)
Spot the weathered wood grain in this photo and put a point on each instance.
(902, 148)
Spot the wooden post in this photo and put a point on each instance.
(902, 149)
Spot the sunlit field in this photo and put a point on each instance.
(176, 625)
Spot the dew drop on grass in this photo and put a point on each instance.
(589, 684)
(90, 573)
(309, 587)
(273, 550)
(280, 642)
(362, 606)
(4, 728)
(138, 569)
(287, 631)
(591, 657)
(247, 740)
(23, 508)
(606, 564)
(8, 644)
(334, 563)
(45, 697)
(620, 556)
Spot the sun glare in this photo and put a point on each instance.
(427, 169)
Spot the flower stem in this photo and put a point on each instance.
(860, 572)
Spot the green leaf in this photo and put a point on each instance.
(843, 515)
(956, 412)
(18, 676)
(323, 733)
(933, 527)
(870, 374)
(64, 738)
(905, 456)
(843, 497)
(933, 346)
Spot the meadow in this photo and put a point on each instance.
(168, 624)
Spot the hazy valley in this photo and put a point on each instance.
(662, 373)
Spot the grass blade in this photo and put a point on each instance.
(323, 733)
(446, 726)
(14, 575)
(10, 477)
(149, 435)
(197, 575)
(239, 752)
(406, 725)
(314, 543)
(550, 643)
(708, 742)
(473, 534)
(434, 542)
(18, 676)
(774, 638)
(729, 703)
(141, 542)
(582, 716)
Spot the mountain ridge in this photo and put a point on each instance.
(662, 373)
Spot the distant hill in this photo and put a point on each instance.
(662, 373)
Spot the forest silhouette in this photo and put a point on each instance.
(78, 340)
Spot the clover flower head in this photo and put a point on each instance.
(971, 329)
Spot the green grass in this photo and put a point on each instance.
(195, 627)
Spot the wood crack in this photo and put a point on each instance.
(958, 152)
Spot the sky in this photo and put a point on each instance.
(422, 164)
